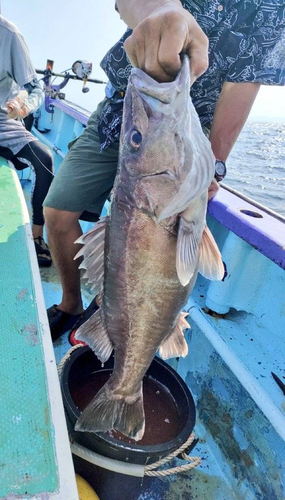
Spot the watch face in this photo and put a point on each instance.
(220, 168)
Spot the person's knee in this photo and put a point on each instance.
(60, 221)
(41, 156)
(49, 159)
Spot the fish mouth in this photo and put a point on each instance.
(167, 173)
(165, 92)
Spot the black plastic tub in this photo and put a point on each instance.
(81, 364)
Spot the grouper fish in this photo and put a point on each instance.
(144, 257)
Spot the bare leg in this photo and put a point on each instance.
(44, 259)
(63, 229)
(37, 231)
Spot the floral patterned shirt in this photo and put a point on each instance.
(246, 44)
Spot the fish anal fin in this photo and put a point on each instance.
(108, 411)
(210, 261)
(94, 333)
(175, 345)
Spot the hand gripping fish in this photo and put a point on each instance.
(144, 257)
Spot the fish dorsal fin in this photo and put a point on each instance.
(187, 253)
(175, 345)
(93, 254)
(94, 333)
(210, 261)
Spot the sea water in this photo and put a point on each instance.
(256, 165)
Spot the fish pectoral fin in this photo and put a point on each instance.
(175, 345)
(94, 333)
(187, 252)
(107, 411)
(210, 261)
(93, 254)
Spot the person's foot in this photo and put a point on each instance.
(43, 253)
(60, 321)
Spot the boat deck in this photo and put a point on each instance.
(206, 482)
(35, 456)
(240, 342)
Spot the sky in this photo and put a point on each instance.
(67, 30)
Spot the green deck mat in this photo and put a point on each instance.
(27, 454)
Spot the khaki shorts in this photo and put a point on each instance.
(86, 176)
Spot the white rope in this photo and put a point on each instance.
(193, 461)
(66, 358)
(196, 461)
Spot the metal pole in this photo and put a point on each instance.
(71, 77)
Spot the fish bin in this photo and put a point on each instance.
(170, 419)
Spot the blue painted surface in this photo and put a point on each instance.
(28, 463)
(252, 299)
(251, 453)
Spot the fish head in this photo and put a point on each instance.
(157, 149)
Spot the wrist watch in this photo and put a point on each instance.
(220, 170)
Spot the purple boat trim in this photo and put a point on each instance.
(79, 114)
(255, 203)
(258, 228)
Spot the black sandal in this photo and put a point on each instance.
(43, 253)
(60, 321)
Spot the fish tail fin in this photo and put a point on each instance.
(107, 411)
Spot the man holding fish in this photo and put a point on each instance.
(144, 257)
(222, 96)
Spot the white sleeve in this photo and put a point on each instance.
(21, 67)
(35, 96)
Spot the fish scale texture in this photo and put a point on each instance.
(27, 458)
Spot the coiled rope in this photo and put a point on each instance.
(192, 461)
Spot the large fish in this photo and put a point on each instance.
(144, 257)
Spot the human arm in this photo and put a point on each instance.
(231, 113)
(27, 101)
(162, 30)
(21, 70)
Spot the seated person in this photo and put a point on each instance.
(16, 143)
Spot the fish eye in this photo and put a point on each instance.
(136, 139)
